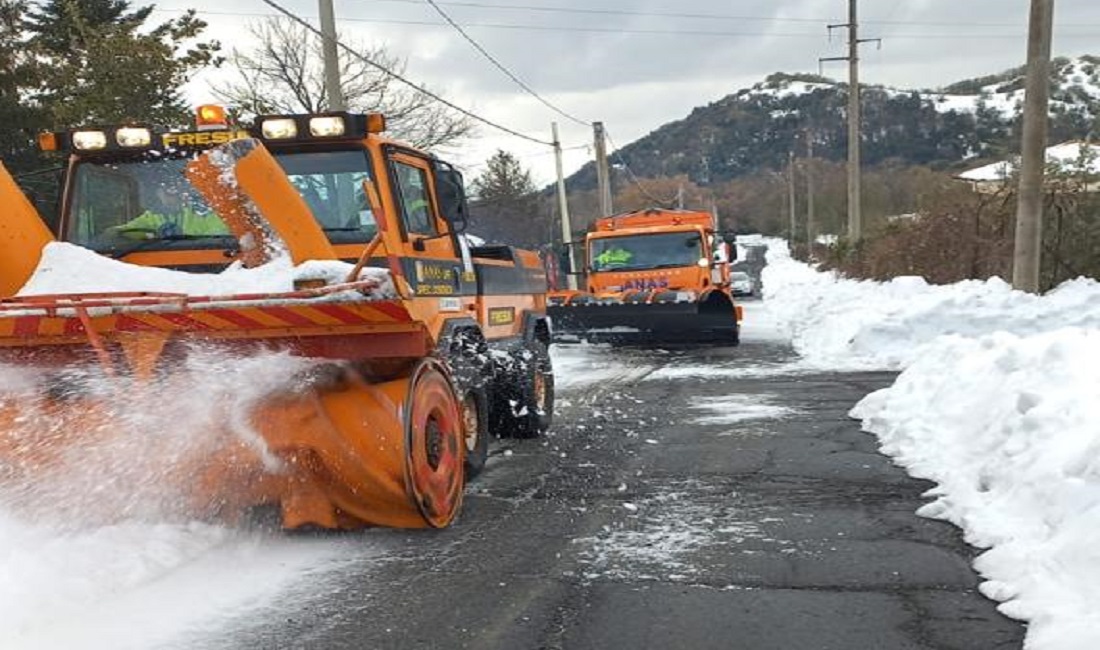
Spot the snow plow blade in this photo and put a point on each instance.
(370, 434)
(371, 442)
(645, 317)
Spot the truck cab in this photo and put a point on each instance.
(656, 249)
(116, 175)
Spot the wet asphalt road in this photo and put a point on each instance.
(636, 526)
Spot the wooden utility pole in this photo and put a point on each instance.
(855, 194)
(563, 210)
(792, 202)
(331, 54)
(603, 173)
(810, 216)
(1029, 202)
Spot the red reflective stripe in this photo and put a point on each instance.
(130, 324)
(27, 325)
(288, 316)
(345, 316)
(396, 312)
(185, 322)
(235, 318)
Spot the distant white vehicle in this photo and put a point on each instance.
(741, 284)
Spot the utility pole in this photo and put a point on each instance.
(331, 55)
(855, 211)
(563, 209)
(603, 173)
(1029, 202)
(791, 199)
(680, 197)
(810, 216)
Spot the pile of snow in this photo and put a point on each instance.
(66, 268)
(101, 537)
(996, 404)
(1068, 157)
(1006, 425)
(837, 323)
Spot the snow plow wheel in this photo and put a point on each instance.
(435, 445)
(476, 424)
(527, 409)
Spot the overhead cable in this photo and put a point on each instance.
(500, 66)
(633, 177)
(402, 79)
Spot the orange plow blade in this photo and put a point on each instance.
(354, 426)
(23, 235)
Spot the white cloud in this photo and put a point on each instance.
(636, 82)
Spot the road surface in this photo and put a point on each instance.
(697, 499)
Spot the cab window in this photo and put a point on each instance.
(117, 204)
(412, 190)
(331, 183)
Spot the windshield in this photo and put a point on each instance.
(150, 205)
(331, 182)
(635, 252)
(116, 203)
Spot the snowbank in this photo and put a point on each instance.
(837, 323)
(66, 268)
(996, 404)
(1006, 425)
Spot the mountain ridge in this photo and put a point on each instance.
(961, 124)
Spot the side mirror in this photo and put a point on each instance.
(451, 192)
(731, 243)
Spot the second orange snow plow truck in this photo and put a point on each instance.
(655, 275)
(416, 363)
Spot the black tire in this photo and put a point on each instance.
(475, 414)
(524, 405)
(465, 353)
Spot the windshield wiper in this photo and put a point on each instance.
(671, 265)
(119, 253)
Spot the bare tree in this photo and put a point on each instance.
(285, 74)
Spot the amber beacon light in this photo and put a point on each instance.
(210, 116)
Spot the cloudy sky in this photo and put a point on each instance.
(636, 65)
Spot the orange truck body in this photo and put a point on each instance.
(674, 286)
(410, 386)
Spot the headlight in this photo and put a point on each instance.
(279, 129)
(133, 137)
(89, 140)
(327, 127)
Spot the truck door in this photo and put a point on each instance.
(437, 268)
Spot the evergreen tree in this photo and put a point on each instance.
(103, 64)
(506, 207)
(20, 119)
(504, 179)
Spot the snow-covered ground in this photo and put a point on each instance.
(996, 403)
(98, 553)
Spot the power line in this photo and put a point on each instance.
(711, 16)
(402, 79)
(633, 177)
(648, 32)
(500, 66)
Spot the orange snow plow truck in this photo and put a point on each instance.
(652, 276)
(422, 346)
